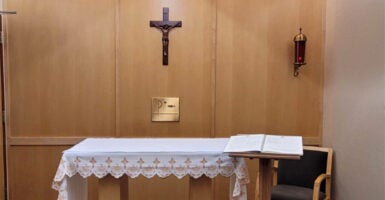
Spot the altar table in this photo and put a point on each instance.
(147, 157)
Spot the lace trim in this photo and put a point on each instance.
(149, 167)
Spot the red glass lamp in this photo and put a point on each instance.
(299, 51)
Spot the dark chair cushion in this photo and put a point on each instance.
(290, 192)
(303, 172)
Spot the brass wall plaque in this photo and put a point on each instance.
(165, 109)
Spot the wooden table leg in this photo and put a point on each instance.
(265, 179)
(201, 188)
(123, 187)
(111, 188)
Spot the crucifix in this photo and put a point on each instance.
(165, 26)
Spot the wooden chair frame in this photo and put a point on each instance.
(317, 183)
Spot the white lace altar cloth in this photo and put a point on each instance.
(148, 157)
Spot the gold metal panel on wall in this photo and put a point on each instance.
(141, 74)
(60, 68)
(165, 109)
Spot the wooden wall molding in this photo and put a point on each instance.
(43, 141)
(66, 141)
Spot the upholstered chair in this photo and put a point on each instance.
(306, 179)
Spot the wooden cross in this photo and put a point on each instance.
(165, 26)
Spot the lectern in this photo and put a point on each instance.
(265, 175)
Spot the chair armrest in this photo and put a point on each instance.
(275, 164)
(317, 185)
(275, 172)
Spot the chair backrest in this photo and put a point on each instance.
(303, 172)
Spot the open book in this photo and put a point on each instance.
(275, 144)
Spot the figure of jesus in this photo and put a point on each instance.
(165, 26)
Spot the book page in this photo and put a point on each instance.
(245, 143)
(283, 144)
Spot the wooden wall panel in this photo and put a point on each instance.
(310, 94)
(241, 70)
(2, 163)
(255, 88)
(157, 188)
(32, 171)
(295, 103)
(201, 189)
(283, 86)
(89, 68)
(61, 68)
(2, 138)
(142, 76)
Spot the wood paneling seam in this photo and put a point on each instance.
(213, 67)
(117, 22)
